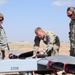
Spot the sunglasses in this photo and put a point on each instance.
(69, 15)
(1, 18)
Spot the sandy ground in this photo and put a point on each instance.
(27, 46)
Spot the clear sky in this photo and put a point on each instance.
(23, 16)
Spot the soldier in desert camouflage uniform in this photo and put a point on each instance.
(3, 38)
(49, 38)
(71, 14)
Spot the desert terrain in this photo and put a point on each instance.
(27, 46)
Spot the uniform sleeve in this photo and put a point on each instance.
(72, 30)
(72, 33)
(51, 41)
(36, 44)
(3, 40)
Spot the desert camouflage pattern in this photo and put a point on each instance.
(3, 39)
(52, 44)
(72, 37)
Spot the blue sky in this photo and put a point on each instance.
(23, 16)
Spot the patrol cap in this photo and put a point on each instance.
(1, 17)
(70, 8)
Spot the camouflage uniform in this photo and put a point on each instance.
(52, 43)
(72, 37)
(3, 39)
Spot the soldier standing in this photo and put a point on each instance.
(71, 15)
(3, 38)
(50, 39)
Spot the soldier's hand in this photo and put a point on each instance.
(0, 52)
(41, 52)
(34, 55)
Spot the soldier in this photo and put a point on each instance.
(3, 38)
(50, 39)
(71, 15)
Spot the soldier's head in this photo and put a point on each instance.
(71, 12)
(1, 18)
(39, 32)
